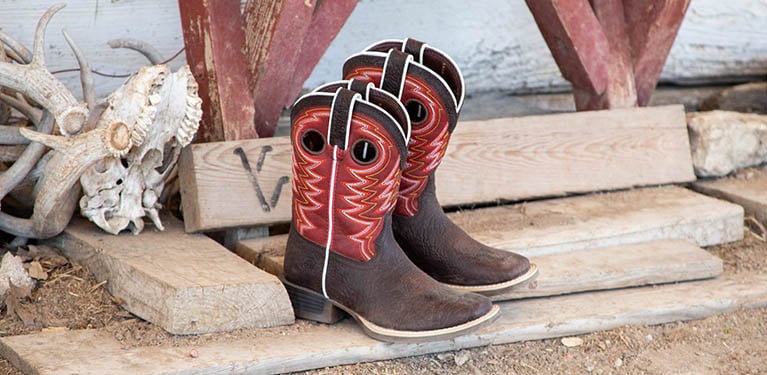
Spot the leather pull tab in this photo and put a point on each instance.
(341, 117)
(415, 48)
(395, 68)
(360, 86)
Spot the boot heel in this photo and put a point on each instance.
(311, 305)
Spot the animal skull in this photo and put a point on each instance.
(119, 192)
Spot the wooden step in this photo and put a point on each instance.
(747, 191)
(656, 262)
(585, 222)
(317, 346)
(181, 282)
(242, 183)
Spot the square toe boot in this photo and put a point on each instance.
(341, 254)
(430, 86)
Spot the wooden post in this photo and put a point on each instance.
(612, 51)
(284, 40)
(214, 37)
(621, 89)
(652, 26)
(580, 49)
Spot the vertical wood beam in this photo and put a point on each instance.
(284, 40)
(214, 37)
(612, 51)
(652, 26)
(580, 49)
(621, 89)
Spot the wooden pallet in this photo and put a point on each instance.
(577, 223)
(585, 270)
(181, 282)
(518, 159)
(317, 346)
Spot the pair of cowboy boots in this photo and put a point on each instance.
(368, 236)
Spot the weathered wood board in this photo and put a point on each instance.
(584, 222)
(317, 346)
(510, 158)
(184, 283)
(751, 193)
(648, 263)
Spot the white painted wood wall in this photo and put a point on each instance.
(495, 42)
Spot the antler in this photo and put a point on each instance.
(140, 46)
(37, 83)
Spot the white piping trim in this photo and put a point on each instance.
(379, 43)
(459, 101)
(330, 221)
(324, 86)
(355, 98)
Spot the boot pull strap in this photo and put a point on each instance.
(394, 72)
(415, 48)
(432, 58)
(341, 117)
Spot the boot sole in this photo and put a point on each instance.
(492, 289)
(310, 305)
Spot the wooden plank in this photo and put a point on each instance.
(652, 26)
(647, 263)
(317, 346)
(214, 40)
(183, 283)
(748, 97)
(284, 39)
(747, 192)
(520, 158)
(585, 222)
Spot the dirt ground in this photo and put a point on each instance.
(70, 298)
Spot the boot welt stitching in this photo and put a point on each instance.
(382, 332)
(530, 275)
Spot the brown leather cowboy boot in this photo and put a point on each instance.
(431, 88)
(341, 254)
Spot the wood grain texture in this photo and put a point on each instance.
(749, 193)
(284, 40)
(186, 284)
(214, 40)
(317, 346)
(510, 159)
(576, 41)
(652, 26)
(586, 222)
(647, 263)
(620, 91)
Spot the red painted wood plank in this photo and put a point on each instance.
(574, 36)
(620, 91)
(284, 39)
(214, 38)
(652, 26)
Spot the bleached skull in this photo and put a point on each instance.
(165, 111)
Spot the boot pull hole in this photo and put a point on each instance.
(313, 142)
(364, 152)
(417, 111)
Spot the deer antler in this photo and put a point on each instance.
(37, 83)
(140, 46)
